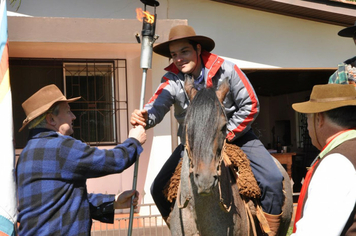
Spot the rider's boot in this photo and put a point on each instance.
(274, 222)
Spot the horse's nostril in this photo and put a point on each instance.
(196, 175)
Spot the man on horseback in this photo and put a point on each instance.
(346, 71)
(327, 202)
(191, 57)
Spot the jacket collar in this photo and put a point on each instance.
(36, 131)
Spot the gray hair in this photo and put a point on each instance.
(40, 121)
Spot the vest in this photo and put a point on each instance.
(347, 149)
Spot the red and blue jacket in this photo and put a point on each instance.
(241, 102)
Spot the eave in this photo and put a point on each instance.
(327, 11)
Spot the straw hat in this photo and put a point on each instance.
(327, 97)
(183, 32)
(41, 101)
(348, 31)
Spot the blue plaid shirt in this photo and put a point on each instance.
(51, 177)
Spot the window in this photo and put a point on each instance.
(304, 141)
(95, 111)
(303, 138)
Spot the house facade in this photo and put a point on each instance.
(89, 48)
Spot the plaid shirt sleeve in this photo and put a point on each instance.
(79, 160)
(339, 76)
(102, 207)
(345, 73)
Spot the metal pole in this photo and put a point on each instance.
(143, 87)
(148, 38)
(134, 183)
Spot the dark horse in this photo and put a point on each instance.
(208, 200)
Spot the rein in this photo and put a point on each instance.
(225, 207)
(189, 196)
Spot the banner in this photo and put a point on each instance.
(8, 200)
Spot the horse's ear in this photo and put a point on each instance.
(223, 89)
(189, 86)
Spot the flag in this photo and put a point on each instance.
(8, 200)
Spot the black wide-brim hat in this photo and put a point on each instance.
(183, 32)
(348, 32)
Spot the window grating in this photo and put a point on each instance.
(95, 111)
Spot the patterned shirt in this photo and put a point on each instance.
(51, 177)
(345, 74)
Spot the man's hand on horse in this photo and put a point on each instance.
(139, 117)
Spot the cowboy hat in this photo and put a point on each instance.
(183, 32)
(348, 31)
(41, 101)
(327, 97)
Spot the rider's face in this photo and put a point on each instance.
(186, 59)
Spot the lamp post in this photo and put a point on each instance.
(148, 39)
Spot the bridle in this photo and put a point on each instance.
(191, 170)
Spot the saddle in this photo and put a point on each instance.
(237, 160)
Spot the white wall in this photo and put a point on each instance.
(239, 33)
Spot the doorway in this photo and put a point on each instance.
(277, 90)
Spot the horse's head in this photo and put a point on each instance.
(205, 127)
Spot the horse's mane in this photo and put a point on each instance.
(201, 121)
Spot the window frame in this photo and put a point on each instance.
(115, 117)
